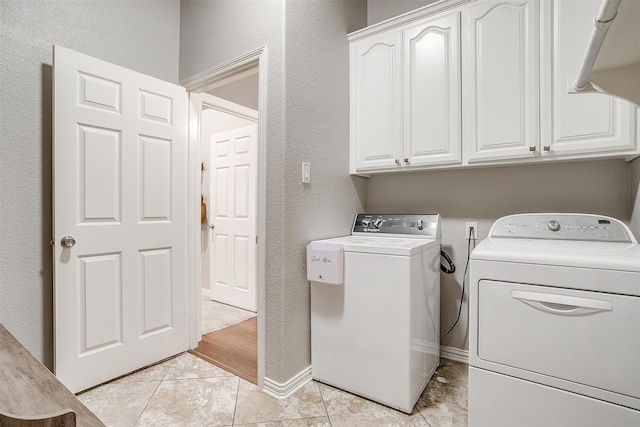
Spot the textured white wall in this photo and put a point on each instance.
(484, 195)
(140, 35)
(307, 120)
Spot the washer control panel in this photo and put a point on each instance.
(427, 225)
(561, 226)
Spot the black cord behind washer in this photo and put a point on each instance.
(451, 268)
(471, 233)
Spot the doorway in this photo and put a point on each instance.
(226, 99)
(228, 146)
(228, 138)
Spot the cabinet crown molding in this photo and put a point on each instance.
(406, 18)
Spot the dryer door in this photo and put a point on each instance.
(589, 338)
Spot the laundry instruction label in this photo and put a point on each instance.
(325, 262)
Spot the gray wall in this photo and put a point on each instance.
(307, 120)
(381, 10)
(317, 131)
(484, 195)
(136, 34)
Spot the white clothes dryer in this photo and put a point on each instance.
(554, 323)
(377, 334)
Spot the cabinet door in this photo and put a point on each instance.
(376, 102)
(500, 80)
(584, 122)
(432, 110)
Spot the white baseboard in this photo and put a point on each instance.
(205, 292)
(284, 390)
(455, 354)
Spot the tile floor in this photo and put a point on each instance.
(187, 391)
(216, 316)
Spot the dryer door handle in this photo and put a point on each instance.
(562, 304)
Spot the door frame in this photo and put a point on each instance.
(195, 85)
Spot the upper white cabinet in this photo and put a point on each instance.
(500, 80)
(376, 102)
(432, 109)
(405, 93)
(579, 123)
(484, 82)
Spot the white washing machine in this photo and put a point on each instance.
(554, 329)
(377, 334)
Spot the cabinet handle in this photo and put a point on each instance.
(532, 148)
(547, 148)
(397, 162)
(406, 160)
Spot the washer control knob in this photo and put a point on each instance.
(378, 223)
(420, 224)
(366, 222)
(553, 225)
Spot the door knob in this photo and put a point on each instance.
(68, 242)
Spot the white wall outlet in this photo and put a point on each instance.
(468, 232)
(306, 173)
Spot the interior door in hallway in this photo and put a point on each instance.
(120, 220)
(233, 182)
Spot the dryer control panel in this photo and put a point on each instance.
(414, 225)
(563, 226)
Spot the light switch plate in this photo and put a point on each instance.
(306, 173)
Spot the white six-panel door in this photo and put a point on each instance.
(233, 184)
(120, 191)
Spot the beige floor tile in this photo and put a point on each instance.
(346, 409)
(378, 419)
(254, 406)
(444, 401)
(192, 402)
(152, 373)
(339, 402)
(189, 366)
(306, 422)
(119, 404)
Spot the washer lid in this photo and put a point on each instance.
(594, 255)
(398, 246)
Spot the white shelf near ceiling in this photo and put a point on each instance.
(612, 60)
